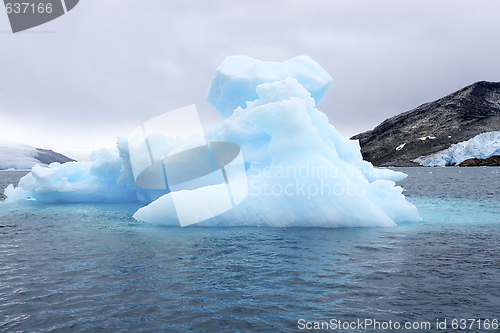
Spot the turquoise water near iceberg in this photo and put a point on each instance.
(86, 268)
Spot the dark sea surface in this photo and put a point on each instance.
(93, 268)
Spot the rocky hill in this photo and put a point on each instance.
(47, 156)
(433, 126)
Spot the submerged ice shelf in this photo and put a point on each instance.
(300, 170)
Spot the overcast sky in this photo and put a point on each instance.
(78, 82)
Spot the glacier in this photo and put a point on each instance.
(483, 145)
(300, 170)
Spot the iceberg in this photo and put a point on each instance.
(482, 146)
(299, 170)
(106, 178)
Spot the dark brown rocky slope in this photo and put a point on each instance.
(433, 126)
(475, 162)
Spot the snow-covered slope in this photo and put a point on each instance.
(481, 146)
(15, 155)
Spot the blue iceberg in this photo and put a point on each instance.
(299, 170)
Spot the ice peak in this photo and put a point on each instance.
(237, 77)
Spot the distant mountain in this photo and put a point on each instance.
(19, 156)
(47, 156)
(434, 126)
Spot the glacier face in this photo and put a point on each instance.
(300, 170)
(481, 146)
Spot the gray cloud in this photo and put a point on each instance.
(110, 65)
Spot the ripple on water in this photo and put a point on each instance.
(93, 268)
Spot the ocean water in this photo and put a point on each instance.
(92, 268)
